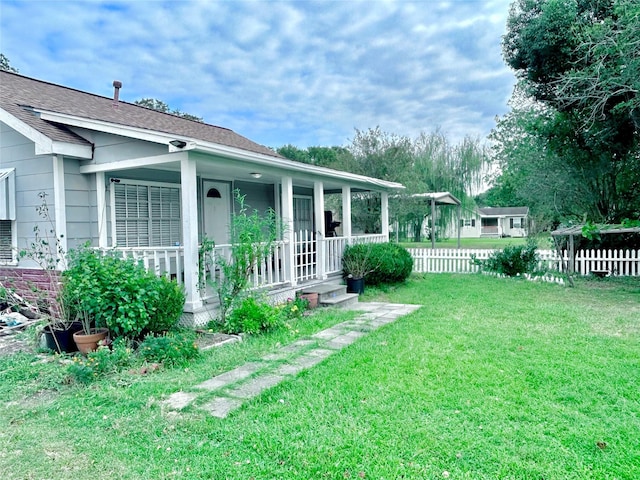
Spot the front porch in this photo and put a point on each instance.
(314, 260)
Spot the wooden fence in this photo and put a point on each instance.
(452, 260)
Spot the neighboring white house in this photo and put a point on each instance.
(152, 185)
(495, 222)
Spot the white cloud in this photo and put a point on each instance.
(305, 73)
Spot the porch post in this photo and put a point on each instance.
(101, 203)
(289, 234)
(189, 200)
(433, 223)
(59, 203)
(346, 213)
(384, 213)
(459, 218)
(321, 252)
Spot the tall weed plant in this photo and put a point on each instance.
(253, 236)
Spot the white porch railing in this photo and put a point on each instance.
(450, 260)
(162, 261)
(334, 246)
(272, 271)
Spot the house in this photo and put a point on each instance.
(495, 222)
(153, 185)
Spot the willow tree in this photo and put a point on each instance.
(428, 163)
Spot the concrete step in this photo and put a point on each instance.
(327, 292)
(344, 300)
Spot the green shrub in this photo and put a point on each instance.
(252, 316)
(165, 314)
(104, 361)
(513, 260)
(294, 308)
(378, 262)
(393, 264)
(119, 294)
(174, 349)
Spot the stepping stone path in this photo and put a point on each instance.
(226, 392)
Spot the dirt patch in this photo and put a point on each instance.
(14, 343)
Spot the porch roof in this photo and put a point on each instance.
(440, 198)
(50, 110)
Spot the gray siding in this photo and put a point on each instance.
(109, 148)
(259, 196)
(33, 174)
(81, 211)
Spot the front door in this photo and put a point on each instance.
(217, 211)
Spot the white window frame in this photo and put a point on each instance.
(150, 218)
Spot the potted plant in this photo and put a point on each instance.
(356, 264)
(88, 338)
(83, 298)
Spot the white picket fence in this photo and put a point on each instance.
(452, 260)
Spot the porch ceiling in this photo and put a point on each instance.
(214, 167)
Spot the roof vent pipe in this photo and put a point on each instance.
(117, 85)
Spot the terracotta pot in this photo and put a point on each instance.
(89, 343)
(312, 298)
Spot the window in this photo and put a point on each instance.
(468, 222)
(516, 222)
(146, 215)
(6, 241)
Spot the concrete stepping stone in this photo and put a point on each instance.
(220, 407)
(230, 377)
(255, 386)
(179, 400)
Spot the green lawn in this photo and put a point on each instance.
(491, 379)
(482, 243)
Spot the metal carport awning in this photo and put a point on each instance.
(439, 198)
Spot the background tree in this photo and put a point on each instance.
(580, 137)
(5, 64)
(428, 163)
(161, 106)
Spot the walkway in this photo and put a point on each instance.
(226, 392)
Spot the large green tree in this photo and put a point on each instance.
(161, 106)
(572, 59)
(5, 64)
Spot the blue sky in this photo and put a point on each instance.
(279, 72)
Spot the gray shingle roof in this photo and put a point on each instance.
(510, 211)
(19, 93)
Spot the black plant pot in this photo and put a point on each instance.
(355, 285)
(61, 341)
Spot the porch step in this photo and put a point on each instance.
(333, 295)
(345, 300)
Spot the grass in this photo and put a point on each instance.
(491, 379)
(480, 243)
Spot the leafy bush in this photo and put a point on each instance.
(118, 294)
(379, 262)
(252, 316)
(394, 264)
(165, 314)
(513, 260)
(174, 349)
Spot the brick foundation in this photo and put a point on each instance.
(36, 286)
